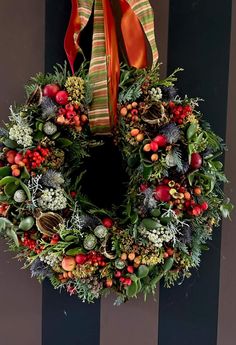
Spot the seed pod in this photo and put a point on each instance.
(100, 231)
(19, 196)
(26, 223)
(106, 248)
(90, 242)
(48, 223)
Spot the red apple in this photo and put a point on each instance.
(11, 156)
(62, 97)
(80, 259)
(204, 206)
(68, 263)
(162, 193)
(18, 158)
(161, 140)
(50, 90)
(196, 160)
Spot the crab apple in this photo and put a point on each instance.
(147, 148)
(161, 140)
(130, 269)
(62, 97)
(140, 137)
(154, 146)
(18, 158)
(196, 210)
(162, 193)
(11, 156)
(69, 107)
(154, 157)
(16, 172)
(80, 259)
(109, 282)
(68, 263)
(204, 206)
(123, 111)
(107, 222)
(50, 90)
(117, 274)
(196, 160)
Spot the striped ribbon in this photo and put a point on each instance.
(137, 22)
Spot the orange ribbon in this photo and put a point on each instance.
(133, 35)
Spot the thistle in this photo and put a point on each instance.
(52, 179)
(172, 133)
(48, 108)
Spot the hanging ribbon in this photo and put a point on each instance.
(137, 22)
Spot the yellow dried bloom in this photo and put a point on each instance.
(75, 88)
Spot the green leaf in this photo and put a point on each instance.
(64, 142)
(12, 234)
(5, 171)
(9, 179)
(11, 144)
(147, 170)
(192, 129)
(134, 218)
(168, 264)
(26, 189)
(70, 238)
(38, 136)
(10, 188)
(133, 160)
(150, 224)
(25, 174)
(156, 279)
(142, 271)
(132, 290)
(75, 251)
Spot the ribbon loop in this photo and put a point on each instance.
(136, 23)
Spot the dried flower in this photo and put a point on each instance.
(21, 134)
(75, 88)
(52, 199)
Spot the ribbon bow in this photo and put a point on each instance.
(137, 23)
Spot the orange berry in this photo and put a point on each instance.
(123, 111)
(154, 157)
(147, 148)
(83, 118)
(134, 132)
(140, 137)
(129, 106)
(197, 191)
(131, 256)
(187, 195)
(60, 119)
(134, 105)
(14, 166)
(123, 256)
(16, 172)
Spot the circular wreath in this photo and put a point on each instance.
(174, 193)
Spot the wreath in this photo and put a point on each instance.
(174, 194)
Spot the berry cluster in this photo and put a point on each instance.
(29, 242)
(179, 112)
(180, 198)
(34, 158)
(130, 112)
(70, 115)
(154, 145)
(92, 258)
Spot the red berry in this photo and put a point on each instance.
(161, 140)
(196, 160)
(69, 107)
(128, 281)
(73, 194)
(50, 90)
(61, 111)
(117, 274)
(122, 280)
(204, 206)
(154, 146)
(170, 251)
(81, 259)
(107, 222)
(62, 97)
(162, 193)
(196, 210)
(130, 269)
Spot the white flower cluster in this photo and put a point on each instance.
(52, 259)
(52, 199)
(21, 134)
(157, 236)
(155, 94)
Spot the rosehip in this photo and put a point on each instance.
(16, 172)
(107, 222)
(130, 269)
(154, 146)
